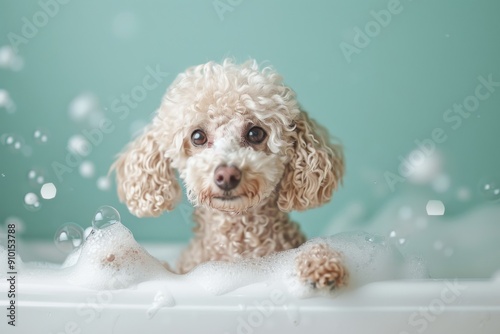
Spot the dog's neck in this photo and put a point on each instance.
(259, 231)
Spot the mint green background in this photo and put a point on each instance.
(393, 92)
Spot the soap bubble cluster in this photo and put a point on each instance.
(31, 202)
(396, 239)
(489, 188)
(13, 142)
(69, 237)
(36, 177)
(41, 136)
(105, 216)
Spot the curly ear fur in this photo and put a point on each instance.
(315, 169)
(146, 182)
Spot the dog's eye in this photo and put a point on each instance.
(198, 138)
(256, 135)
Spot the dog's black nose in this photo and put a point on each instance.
(227, 177)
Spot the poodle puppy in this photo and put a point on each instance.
(247, 155)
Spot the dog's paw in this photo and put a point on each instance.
(321, 267)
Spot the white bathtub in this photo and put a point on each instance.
(426, 306)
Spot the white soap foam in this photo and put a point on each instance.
(110, 258)
(163, 298)
(368, 258)
(468, 244)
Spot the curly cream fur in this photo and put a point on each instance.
(296, 167)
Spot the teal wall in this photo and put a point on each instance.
(378, 96)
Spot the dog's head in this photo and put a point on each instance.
(237, 136)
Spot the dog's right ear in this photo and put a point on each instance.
(146, 181)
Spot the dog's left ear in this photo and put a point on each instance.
(315, 169)
(145, 179)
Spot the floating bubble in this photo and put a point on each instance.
(27, 151)
(405, 212)
(392, 234)
(68, 237)
(87, 169)
(9, 58)
(448, 252)
(36, 177)
(438, 245)
(421, 222)
(376, 239)
(41, 136)
(441, 183)
(125, 25)
(88, 231)
(422, 167)
(489, 188)
(402, 241)
(137, 127)
(78, 144)
(435, 208)
(4, 97)
(19, 224)
(48, 191)
(14, 142)
(105, 216)
(83, 106)
(95, 118)
(463, 194)
(31, 202)
(103, 183)
(6, 102)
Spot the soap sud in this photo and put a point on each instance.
(367, 258)
(163, 298)
(464, 238)
(112, 255)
